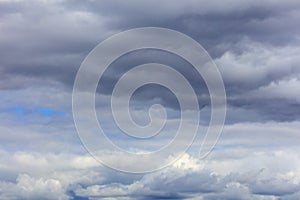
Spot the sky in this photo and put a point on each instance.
(255, 46)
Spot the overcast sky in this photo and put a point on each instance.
(255, 45)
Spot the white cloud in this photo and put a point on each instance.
(27, 187)
(283, 89)
(214, 178)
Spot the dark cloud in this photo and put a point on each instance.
(42, 42)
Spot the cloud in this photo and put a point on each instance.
(51, 39)
(256, 47)
(214, 178)
(30, 188)
(261, 73)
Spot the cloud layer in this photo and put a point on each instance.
(255, 45)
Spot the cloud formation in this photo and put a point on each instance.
(188, 178)
(255, 45)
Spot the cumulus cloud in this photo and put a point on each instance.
(27, 187)
(188, 178)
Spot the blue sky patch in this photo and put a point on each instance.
(22, 112)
